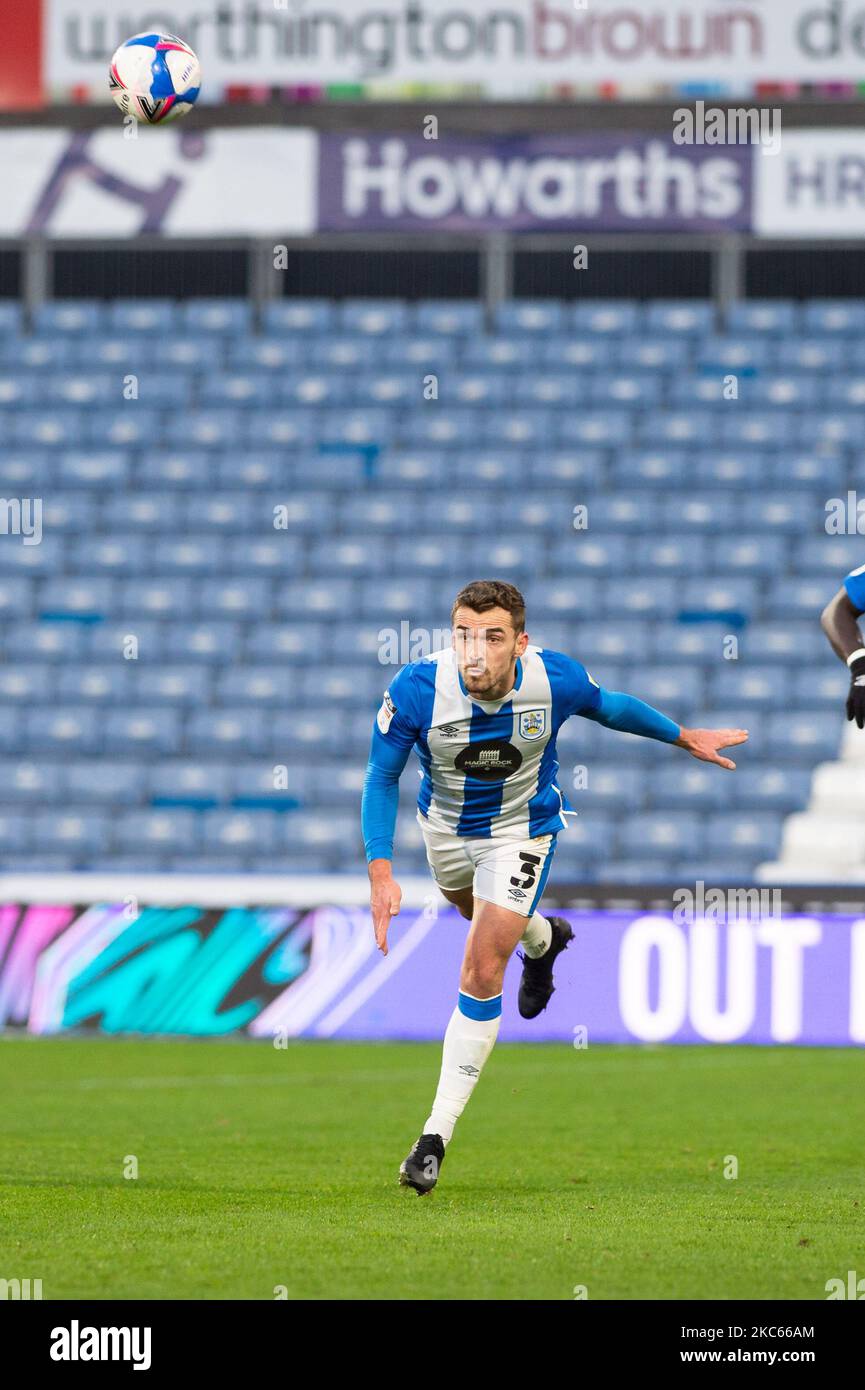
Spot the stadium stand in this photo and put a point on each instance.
(192, 652)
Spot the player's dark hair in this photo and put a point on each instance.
(483, 594)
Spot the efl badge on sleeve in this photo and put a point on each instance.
(533, 723)
(386, 713)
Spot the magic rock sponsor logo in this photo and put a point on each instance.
(489, 762)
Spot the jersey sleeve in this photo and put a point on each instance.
(394, 732)
(855, 586)
(581, 692)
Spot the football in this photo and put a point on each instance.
(155, 78)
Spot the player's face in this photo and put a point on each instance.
(487, 649)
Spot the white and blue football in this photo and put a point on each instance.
(155, 78)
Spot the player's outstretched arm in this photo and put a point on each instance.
(704, 744)
(616, 710)
(840, 622)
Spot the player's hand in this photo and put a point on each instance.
(704, 744)
(384, 900)
(856, 697)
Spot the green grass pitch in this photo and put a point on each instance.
(261, 1168)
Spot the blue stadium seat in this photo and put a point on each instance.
(660, 467)
(212, 643)
(77, 830)
(310, 317)
(679, 834)
(27, 685)
(649, 595)
(269, 783)
(183, 782)
(662, 353)
(69, 316)
(586, 552)
(740, 355)
(227, 731)
(674, 690)
(73, 727)
(613, 317)
(581, 354)
(177, 469)
(806, 737)
(611, 641)
(24, 781)
(449, 317)
(691, 785)
(775, 316)
(83, 599)
(541, 316)
(265, 642)
(831, 316)
(756, 834)
(97, 683)
(265, 354)
(374, 318)
(742, 684)
(45, 641)
(148, 729)
(825, 688)
(228, 316)
(240, 831)
(141, 316)
(680, 317)
(772, 787)
(688, 642)
(241, 597)
(165, 829)
(103, 782)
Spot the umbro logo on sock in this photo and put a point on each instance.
(470, 1070)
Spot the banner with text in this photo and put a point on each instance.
(611, 182)
(503, 48)
(814, 188)
(277, 973)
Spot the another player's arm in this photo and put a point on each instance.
(392, 738)
(616, 710)
(840, 622)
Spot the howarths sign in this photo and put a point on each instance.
(604, 181)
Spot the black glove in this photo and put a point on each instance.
(856, 698)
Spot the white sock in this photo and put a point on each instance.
(537, 936)
(467, 1045)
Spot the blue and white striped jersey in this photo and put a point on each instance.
(488, 769)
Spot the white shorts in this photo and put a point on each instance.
(509, 873)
